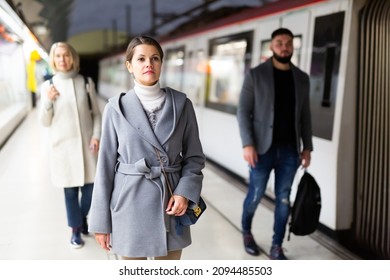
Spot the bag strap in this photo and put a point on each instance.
(163, 171)
(87, 90)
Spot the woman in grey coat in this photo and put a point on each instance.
(133, 211)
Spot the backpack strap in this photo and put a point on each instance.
(87, 89)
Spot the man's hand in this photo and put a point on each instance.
(250, 155)
(305, 158)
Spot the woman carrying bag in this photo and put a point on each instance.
(147, 131)
(70, 110)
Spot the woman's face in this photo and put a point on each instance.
(63, 59)
(145, 64)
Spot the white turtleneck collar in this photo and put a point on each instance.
(151, 97)
(66, 75)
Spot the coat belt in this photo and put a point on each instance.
(142, 168)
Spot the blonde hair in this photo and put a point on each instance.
(74, 56)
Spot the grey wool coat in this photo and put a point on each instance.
(255, 111)
(129, 198)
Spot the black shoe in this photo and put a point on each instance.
(76, 242)
(250, 245)
(84, 227)
(276, 253)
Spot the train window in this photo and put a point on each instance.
(194, 73)
(230, 58)
(174, 68)
(266, 52)
(324, 72)
(7, 36)
(12, 69)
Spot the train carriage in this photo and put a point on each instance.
(349, 100)
(17, 47)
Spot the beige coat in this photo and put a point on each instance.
(72, 127)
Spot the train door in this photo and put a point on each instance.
(331, 107)
(372, 217)
(229, 56)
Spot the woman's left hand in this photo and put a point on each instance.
(177, 205)
(103, 239)
(94, 145)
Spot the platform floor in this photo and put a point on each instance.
(33, 219)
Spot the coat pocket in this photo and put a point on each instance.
(118, 196)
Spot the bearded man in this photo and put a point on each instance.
(275, 127)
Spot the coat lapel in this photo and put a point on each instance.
(298, 86)
(172, 110)
(166, 123)
(134, 114)
(269, 76)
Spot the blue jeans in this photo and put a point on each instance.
(77, 210)
(284, 160)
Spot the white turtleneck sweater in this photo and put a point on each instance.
(152, 99)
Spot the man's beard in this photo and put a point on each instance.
(284, 60)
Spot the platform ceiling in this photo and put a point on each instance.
(96, 25)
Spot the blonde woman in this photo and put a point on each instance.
(69, 109)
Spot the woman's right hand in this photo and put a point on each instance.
(103, 239)
(52, 93)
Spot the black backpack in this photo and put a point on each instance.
(305, 213)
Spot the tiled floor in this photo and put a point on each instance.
(33, 219)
